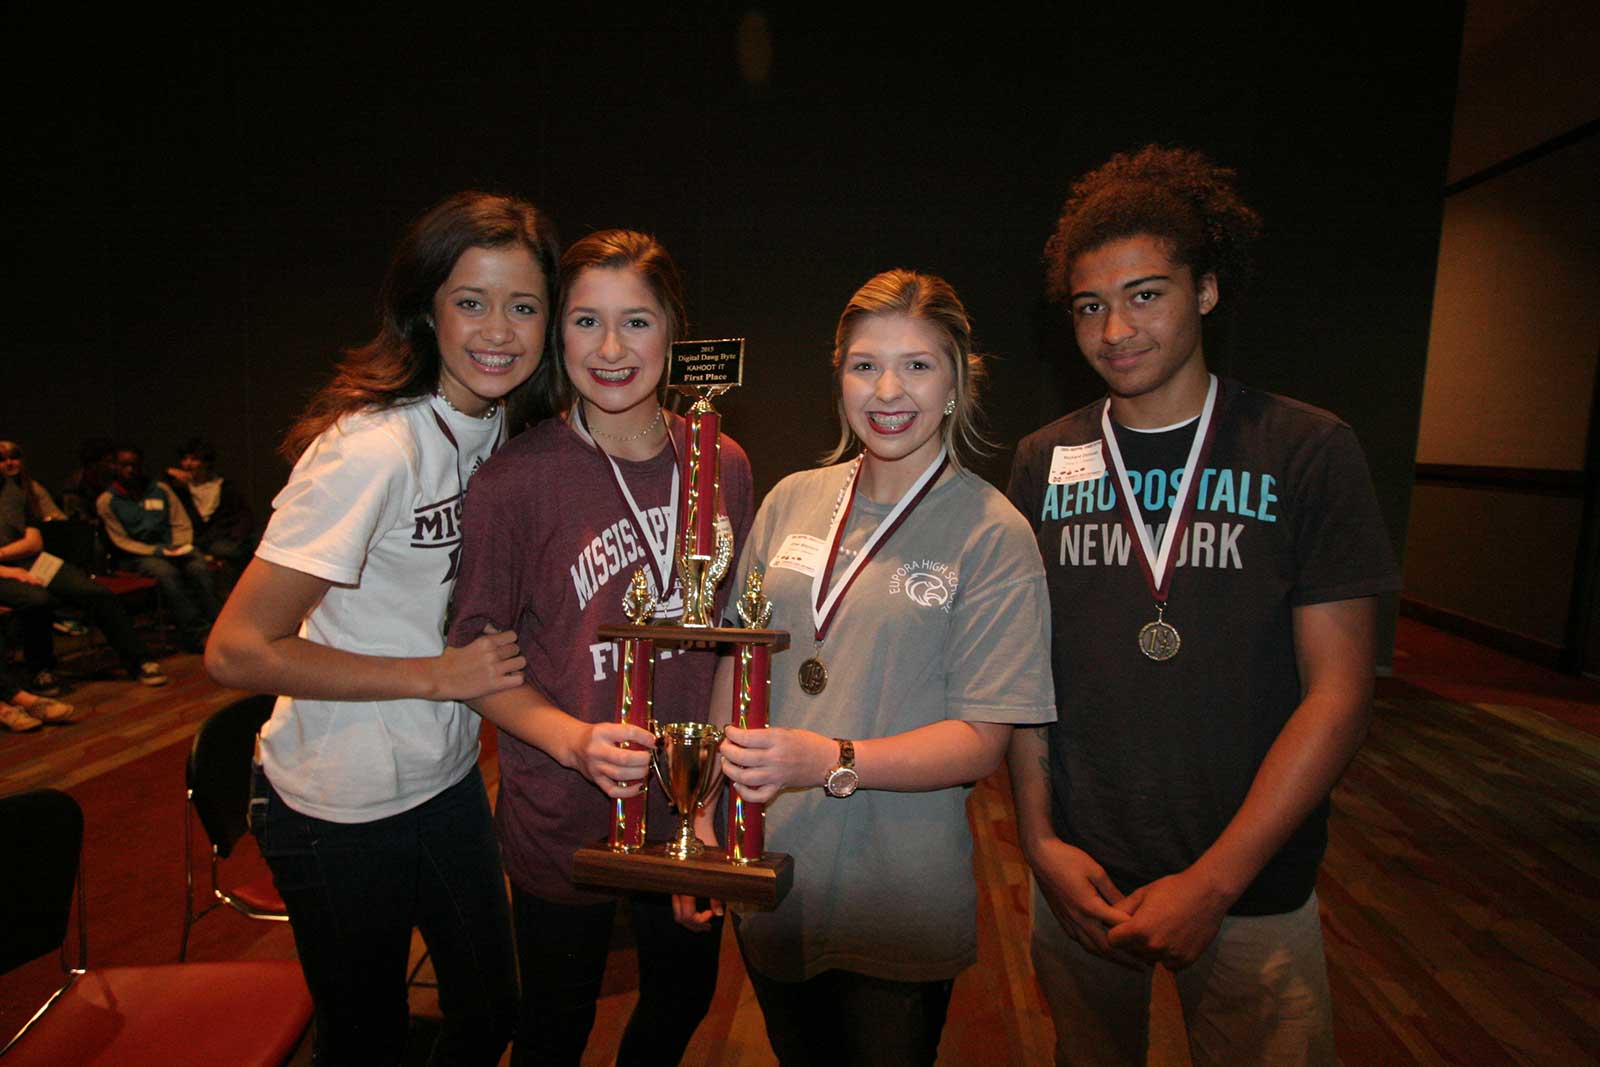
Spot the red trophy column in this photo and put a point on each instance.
(747, 820)
(635, 676)
(697, 503)
(697, 515)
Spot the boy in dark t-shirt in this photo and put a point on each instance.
(1213, 644)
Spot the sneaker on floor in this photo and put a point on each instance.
(45, 684)
(16, 720)
(51, 712)
(149, 673)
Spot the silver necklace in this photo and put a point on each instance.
(628, 437)
(494, 407)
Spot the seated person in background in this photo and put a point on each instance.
(97, 461)
(44, 506)
(144, 519)
(223, 526)
(34, 597)
(12, 469)
(20, 710)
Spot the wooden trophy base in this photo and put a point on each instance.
(761, 883)
(674, 634)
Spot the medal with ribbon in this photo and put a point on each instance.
(825, 601)
(1159, 639)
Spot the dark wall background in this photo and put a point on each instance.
(208, 206)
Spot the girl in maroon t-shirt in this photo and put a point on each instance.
(556, 524)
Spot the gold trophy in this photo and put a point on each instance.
(688, 767)
(686, 761)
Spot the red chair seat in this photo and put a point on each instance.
(122, 583)
(258, 893)
(249, 1014)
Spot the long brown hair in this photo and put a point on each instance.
(617, 250)
(402, 361)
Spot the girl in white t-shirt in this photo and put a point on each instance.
(369, 809)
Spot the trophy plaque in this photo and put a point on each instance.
(686, 762)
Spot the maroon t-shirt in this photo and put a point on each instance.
(548, 548)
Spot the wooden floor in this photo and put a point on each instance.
(1461, 894)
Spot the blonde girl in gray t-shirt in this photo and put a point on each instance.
(916, 602)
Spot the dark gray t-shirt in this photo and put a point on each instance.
(948, 621)
(1149, 760)
(13, 516)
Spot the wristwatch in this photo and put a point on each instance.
(843, 779)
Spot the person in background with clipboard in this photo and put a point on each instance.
(33, 582)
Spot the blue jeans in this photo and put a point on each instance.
(186, 584)
(562, 950)
(354, 893)
(844, 1017)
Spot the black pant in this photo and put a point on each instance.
(561, 950)
(34, 605)
(356, 890)
(840, 1019)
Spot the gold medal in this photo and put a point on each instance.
(813, 676)
(1159, 640)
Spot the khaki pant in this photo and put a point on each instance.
(1258, 995)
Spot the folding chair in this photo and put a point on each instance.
(250, 1014)
(218, 777)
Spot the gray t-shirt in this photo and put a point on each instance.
(948, 621)
(14, 519)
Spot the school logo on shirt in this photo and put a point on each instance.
(927, 583)
(439, 526)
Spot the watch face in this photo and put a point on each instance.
(842, 782)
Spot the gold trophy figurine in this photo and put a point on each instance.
(699, 577)
(755, 610)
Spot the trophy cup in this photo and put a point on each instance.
(688, 767)
(685, 760)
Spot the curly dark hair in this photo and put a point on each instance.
(1177, 194)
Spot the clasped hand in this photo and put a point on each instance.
(1172, 920)
(762, 763)
(1169, 921)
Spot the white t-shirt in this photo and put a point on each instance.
(206, 497)
(374, 506)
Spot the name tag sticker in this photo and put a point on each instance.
(800, 552)
(152, 504)
(1070, 464)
